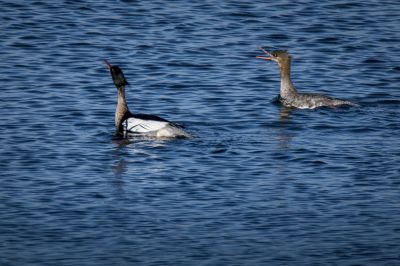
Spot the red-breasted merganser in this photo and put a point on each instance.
(288, 93)
(143, 124)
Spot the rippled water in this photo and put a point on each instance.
(257, 185)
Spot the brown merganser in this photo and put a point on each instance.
(288, 93)
(143, 124)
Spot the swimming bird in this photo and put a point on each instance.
(289, 96)
(143, 124)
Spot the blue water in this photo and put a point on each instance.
(257, 185)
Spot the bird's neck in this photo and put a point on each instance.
(122, 108)
(287, 87)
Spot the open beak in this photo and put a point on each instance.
(270, 57)
(263, 57)
(108, 64)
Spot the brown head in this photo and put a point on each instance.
(279, 56)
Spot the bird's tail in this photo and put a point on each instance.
(349, 103)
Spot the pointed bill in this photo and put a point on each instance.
(108, 64)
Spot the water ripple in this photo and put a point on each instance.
(258, 184)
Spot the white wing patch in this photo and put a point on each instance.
(136, 125)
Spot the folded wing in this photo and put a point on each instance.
(138, 125)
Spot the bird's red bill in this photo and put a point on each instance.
(263, 57)
(108, 64)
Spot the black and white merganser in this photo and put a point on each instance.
(288, 94)
(143, 124)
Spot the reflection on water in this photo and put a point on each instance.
(284, 137)
(284, 113)
(120, 166)
(131, 150)
(260, 184)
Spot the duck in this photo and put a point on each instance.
(128, 123)
(289, 96)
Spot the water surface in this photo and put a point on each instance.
(257, 185)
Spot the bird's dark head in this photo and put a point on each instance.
(117, 75)
(279, 56)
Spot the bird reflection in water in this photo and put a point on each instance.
(120, 166)
(284, 137)
(131, 147)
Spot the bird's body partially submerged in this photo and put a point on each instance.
(313, 100)
(151, 126)
(142, 124)
(289, 96)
